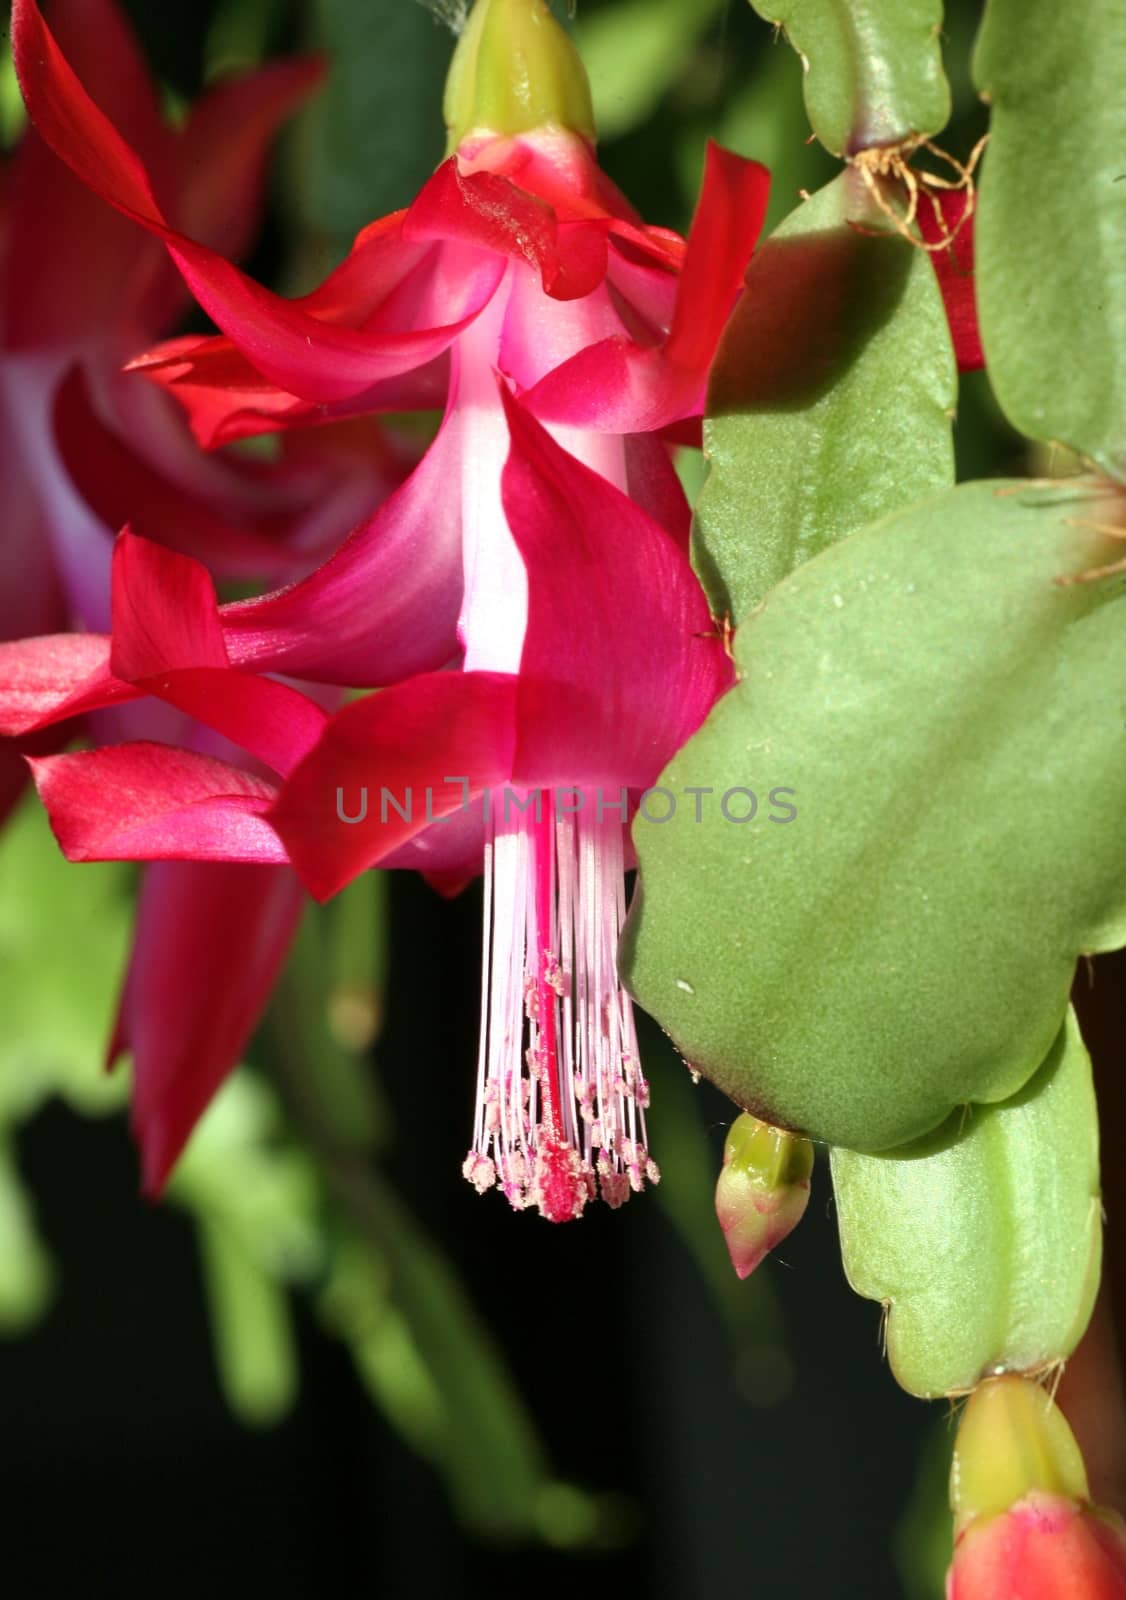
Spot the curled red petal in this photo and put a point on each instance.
(488, 211)
(225, 398)
(153, 802)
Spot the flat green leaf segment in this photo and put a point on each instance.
(831, 399)
(873, 67)
(1050, 234)
(984, 1239)
(950, 724)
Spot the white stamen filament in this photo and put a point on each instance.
(560, 1096)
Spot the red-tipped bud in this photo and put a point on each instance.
(763, 1189)
(1023, 1523)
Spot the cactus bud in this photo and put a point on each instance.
(763, 1188)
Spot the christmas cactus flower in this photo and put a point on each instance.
(83, 447)
(526, 596)
(1024, 1524)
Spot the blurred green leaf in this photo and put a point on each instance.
(1050, 234)
(831, 398)
(255, 1201)
(13, 117)
(237, 1170)
(240, 34)
(945, 721)
(251, 1327)
(873, 67)
(64, 934)
(375, 134)
(983, 1239)
(634, 51)
(485, 1421)
(346, 1095)
(357, 961)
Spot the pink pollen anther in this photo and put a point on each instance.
(560, 1186)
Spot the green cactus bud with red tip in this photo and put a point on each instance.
(763, 1189)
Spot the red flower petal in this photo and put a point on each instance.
(225, 398)
(385, 605)
(432, 743)
(621, 663)
(208, 946)
(167, 639)
(152, 802)
(209, 943)
(618, 386)
(487, 211)
(312, 358)
(954, 268)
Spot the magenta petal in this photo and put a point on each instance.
(385, 605)
(621, 658)
(653, 484)
(209, 943)
(431, 743)
(153, 802)
(61, 675)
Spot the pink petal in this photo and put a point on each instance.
(312, 358)
(210, 941)
(385, 605)
(153, 802)
(61, 675)
(487, 211)
(449, 733)
(954, 269)
(618, 386)
(621, 660)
